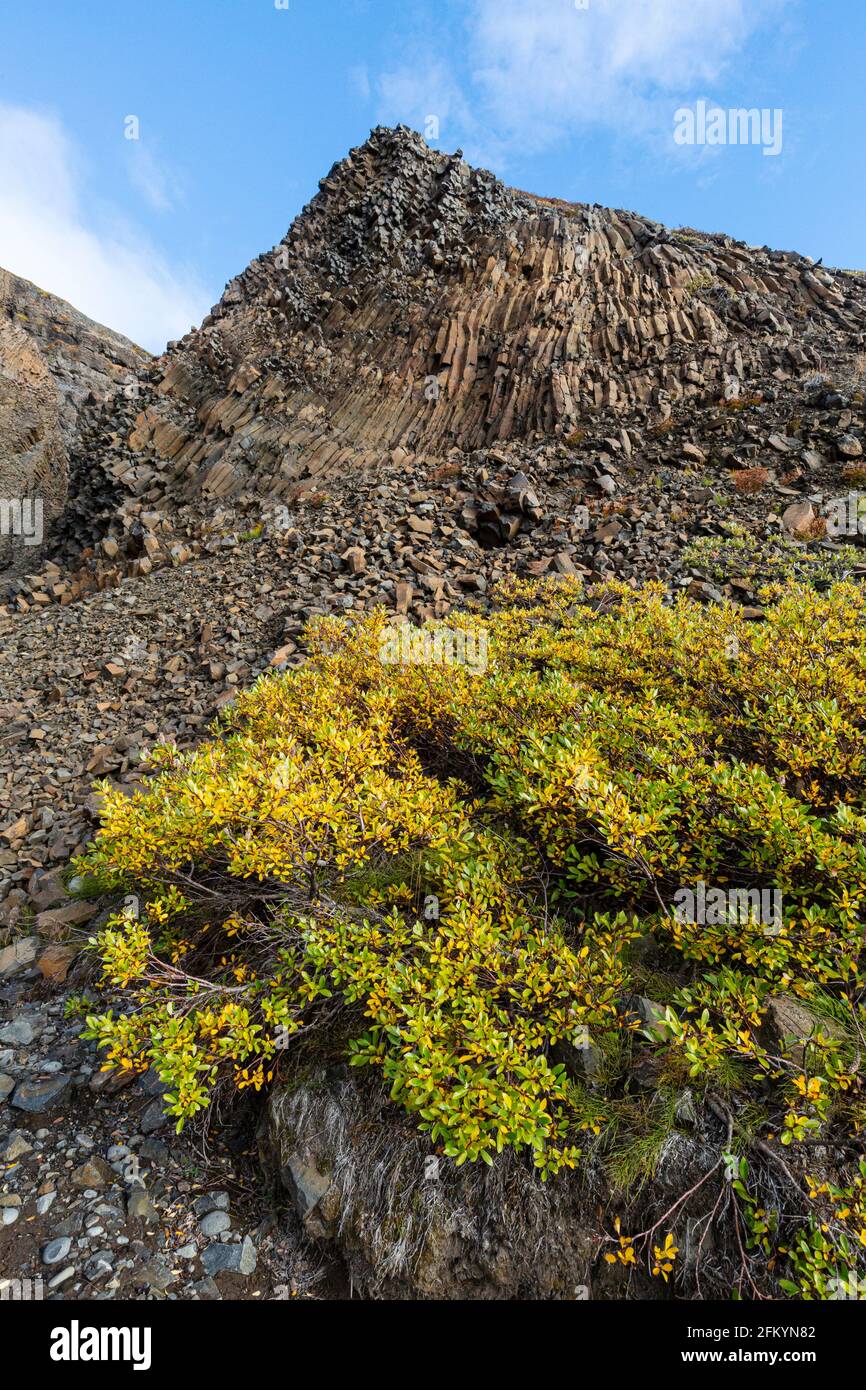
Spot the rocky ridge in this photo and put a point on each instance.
(420, 318)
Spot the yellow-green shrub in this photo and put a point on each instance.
(438, 871)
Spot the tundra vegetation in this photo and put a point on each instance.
(463, 879)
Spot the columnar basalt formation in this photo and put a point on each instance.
(419, 313)
(420, 304)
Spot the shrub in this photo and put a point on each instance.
(750, 480)
(744, 556)
(701, 281)
(437, 872)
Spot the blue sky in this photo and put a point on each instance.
(243, 106)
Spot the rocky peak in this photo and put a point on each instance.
(417, 303)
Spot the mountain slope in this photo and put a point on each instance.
(433, 384)
(87, 361)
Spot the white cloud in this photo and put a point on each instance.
(540, 71)
(48, 234)
(153, 180)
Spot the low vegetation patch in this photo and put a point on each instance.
(458, 875)
(750, 480)
(741, 555)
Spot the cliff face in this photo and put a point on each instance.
(59, 373)
(418, 303)
(33, 462)
(87, 361)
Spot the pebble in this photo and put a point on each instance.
(153, 1117)
(99, 1264)
(21, 1031)
(16, 1146)
(215, 1223)
(156, 1275)
(56, 1250)
(206, 1289)
(139, 1206)
(211, 1201)
(93, 1175)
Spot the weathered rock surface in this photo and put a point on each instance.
(419, 304)
(412, 1225)
(60, 375)
(425, 332)
(88, 362)
(33, 461)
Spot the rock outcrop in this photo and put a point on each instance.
(409, 1224)
(33, 460)
(420, 304)
(88, 362)
(421, 321)
(59, 372)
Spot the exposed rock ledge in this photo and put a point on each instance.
(363, 1180)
